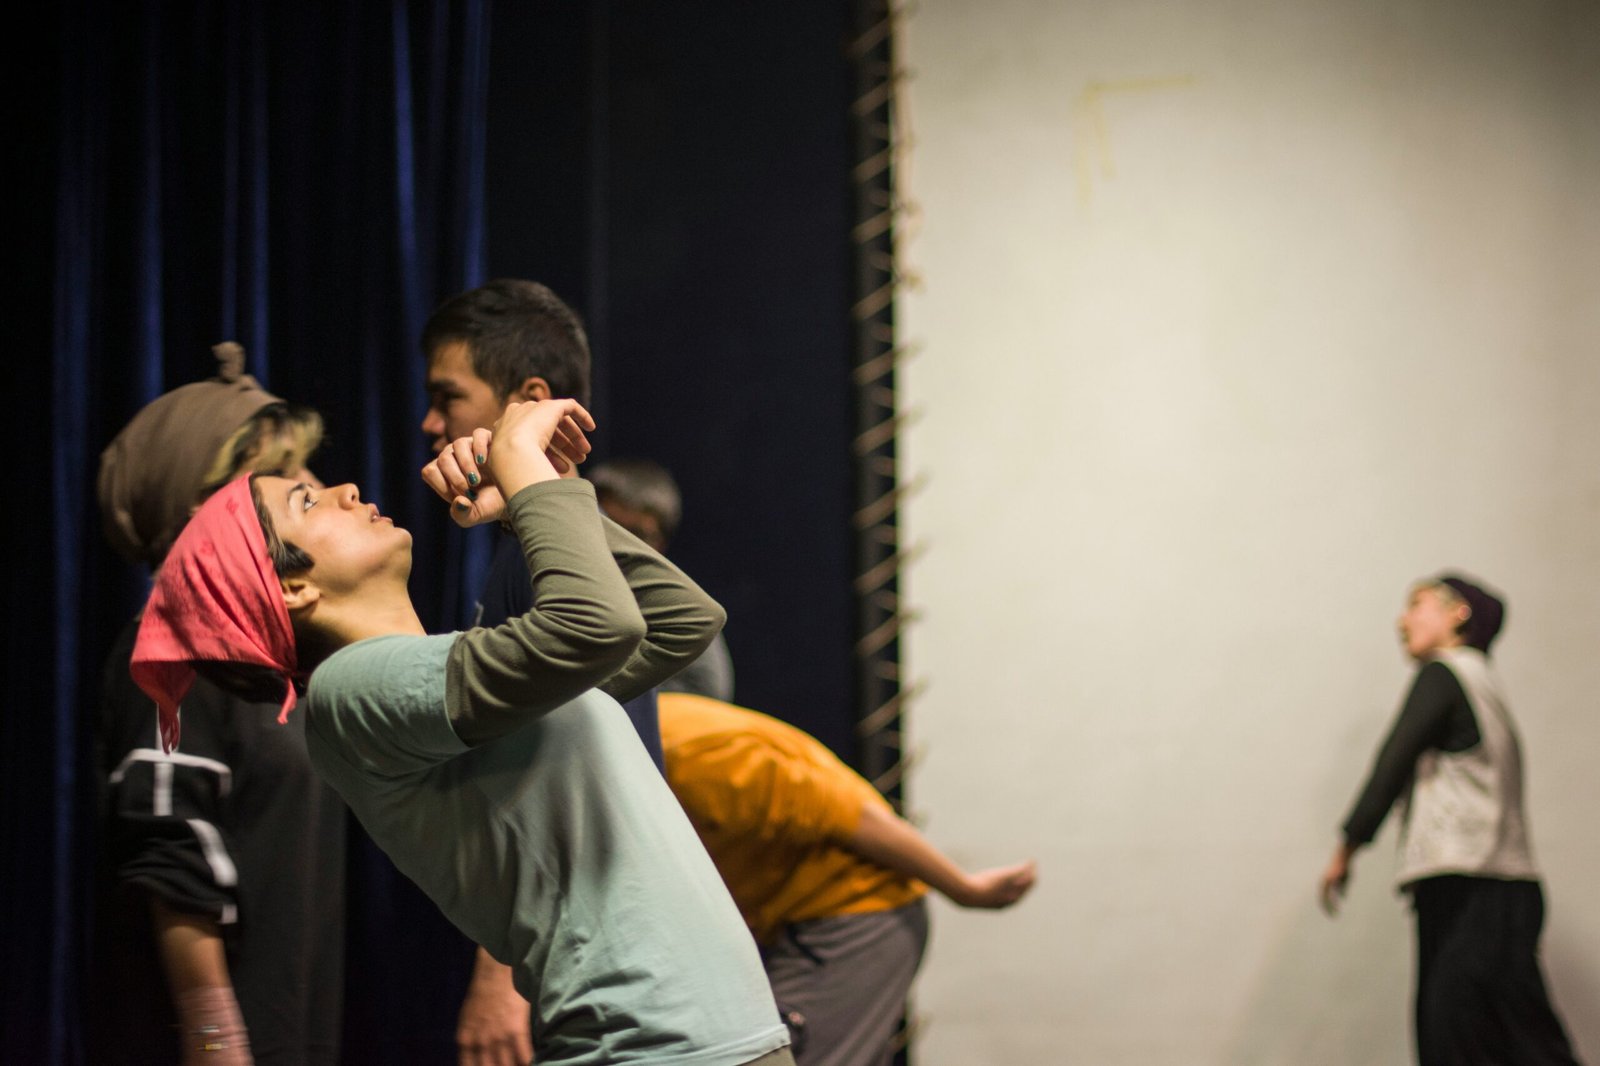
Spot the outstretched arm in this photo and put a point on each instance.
(884, 838)
(1423, 723)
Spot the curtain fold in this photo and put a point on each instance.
(305, 179)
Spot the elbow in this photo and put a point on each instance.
(684, 632)
(624, 632)
(692, 634)
(597, 643)
(631, 628)
(706, 619)
(716, 616)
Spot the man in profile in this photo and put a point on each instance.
(507, 341)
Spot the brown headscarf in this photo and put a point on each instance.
(151, 474)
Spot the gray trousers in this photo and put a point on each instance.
(848, 977)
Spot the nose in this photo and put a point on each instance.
(347, 494)
(433, 422)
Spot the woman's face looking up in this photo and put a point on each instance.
(349, 542)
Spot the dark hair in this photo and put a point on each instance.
(643, 485)
(310, 645)
(287, 557)
(514, 330)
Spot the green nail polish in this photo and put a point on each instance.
(472, 494)
(473, 479)
(481, 459)
(462, 507)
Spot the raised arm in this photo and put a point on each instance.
(584, 625)
(680, 619)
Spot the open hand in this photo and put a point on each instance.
(1000, 887)
(1334, 881)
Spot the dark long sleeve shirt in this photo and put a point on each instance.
(1437, 715)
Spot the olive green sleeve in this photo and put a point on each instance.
(583, 628)
(680, 618)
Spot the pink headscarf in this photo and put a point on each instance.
(216, 599)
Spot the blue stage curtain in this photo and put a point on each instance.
(305, 179)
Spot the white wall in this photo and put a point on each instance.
(1239, 316)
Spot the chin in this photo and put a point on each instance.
(398, 560)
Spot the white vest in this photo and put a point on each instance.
(1463, 814)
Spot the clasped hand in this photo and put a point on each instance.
(529, 443)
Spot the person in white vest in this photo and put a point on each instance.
(1453, 763)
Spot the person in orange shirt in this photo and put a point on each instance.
(829, 879)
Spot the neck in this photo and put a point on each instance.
(383, 620)
(340, 625)
(1439, 649)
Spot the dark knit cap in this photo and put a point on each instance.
(1488, 611)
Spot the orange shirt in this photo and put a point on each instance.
(773, 807)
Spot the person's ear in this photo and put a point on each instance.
(299, 592)
(532, 389)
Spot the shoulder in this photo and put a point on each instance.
(692, 722)
(385, 665)
(1436, 698)
(382, 701)
(1437, 677)
(719, 745)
